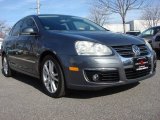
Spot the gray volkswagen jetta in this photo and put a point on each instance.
(68, 52)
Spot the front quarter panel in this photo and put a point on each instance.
(58, 44)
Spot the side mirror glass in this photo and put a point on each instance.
(29, 31)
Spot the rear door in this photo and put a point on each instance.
(11, 44)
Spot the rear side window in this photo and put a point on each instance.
(16, 29)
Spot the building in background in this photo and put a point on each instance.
(135, 25)
(140, 25)
(116, 27)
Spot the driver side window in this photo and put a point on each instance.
(29, 23)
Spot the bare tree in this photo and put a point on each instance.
(2, 25)
(121, 7)
(151, 15)
(4, 29)
(98, 15)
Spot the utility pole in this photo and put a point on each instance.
(38, 6)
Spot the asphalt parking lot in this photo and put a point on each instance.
(22, 98)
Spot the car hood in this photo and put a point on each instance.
(148, 39)
(104, 37)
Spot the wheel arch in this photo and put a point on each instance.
(53, 54)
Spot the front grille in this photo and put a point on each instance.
(133, 74)
(104, 76)
(126, 51)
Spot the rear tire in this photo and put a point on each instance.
(6, 70)
(52, 77)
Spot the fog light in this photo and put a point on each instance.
(95, 77)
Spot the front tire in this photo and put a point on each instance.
(7, 72)
(52, 77)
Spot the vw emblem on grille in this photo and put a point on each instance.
(136, 50)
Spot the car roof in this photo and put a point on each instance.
(54, 15)
(133, 31)
(155, 27)
(51, 15)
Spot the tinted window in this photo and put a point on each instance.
(68, 23)
(82, 26)
(149, 32)
(157, 30)
(29, 23)
(16, 29)
(157, 38)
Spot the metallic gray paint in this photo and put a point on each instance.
(61, 44)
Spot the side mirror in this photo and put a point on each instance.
(29, 31)
(157, 39)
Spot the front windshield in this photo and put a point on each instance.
(68, 23)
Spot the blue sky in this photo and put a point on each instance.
(13, 10)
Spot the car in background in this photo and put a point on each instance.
(149, 34)
(156, 44)
(1, 40)
(68, 52)
(134, 33)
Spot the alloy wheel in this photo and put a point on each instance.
(5, 65)
(50, 76)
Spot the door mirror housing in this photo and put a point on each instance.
(29, 31)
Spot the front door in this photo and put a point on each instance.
(25, 46)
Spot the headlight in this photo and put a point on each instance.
(148, 45)
(91, 48)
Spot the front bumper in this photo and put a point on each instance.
(79, 80)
